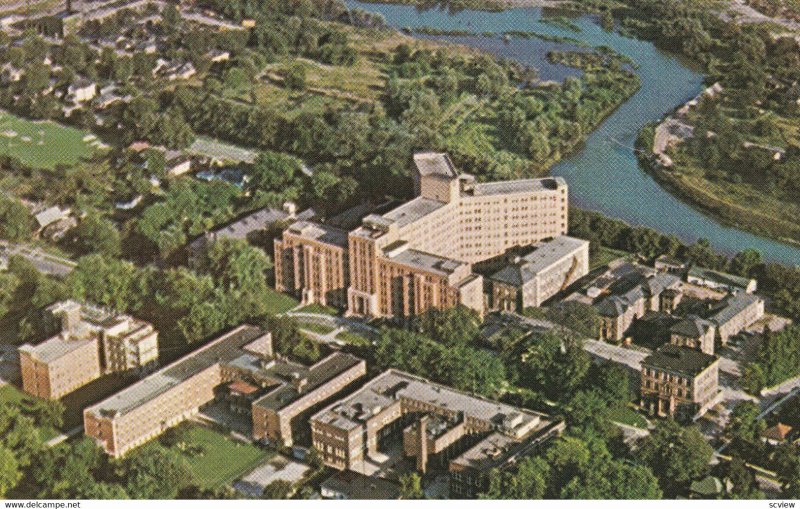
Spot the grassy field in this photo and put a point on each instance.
(628, 416)
(43, 144)
(215, 458)
(319, 309)
(317, 328)
(353, 339)
(278, 302)
(604, 255)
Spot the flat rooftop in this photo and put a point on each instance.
(435, 163)
(544, 255)
(427, 262)
(320, 232)
(224, 349)
(316, 376)
(393, 385)
(518, 186)
(55, 348)
(679, 359)
(413, 211)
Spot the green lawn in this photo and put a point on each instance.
(319, 309)
(316, 327)
(626, 415)
(43, 144)
(604, 255)
(215, 458)
(353, 338)
(278, 302)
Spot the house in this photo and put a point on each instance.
(176, 163)
(631, 297)
(350, 485)
(736, 313)
(549, 268)
(720, 281)
(666, 263)
(694, 332)
(82, 90)
(777, 434)
(216, 56)
(248, 23)
(679, 382)
(11, 74)
(51, 215)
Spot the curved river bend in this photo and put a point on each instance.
(604, 175)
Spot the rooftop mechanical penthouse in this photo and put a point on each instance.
(419, 255)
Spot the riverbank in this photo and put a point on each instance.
(716, 202)
(480, 5)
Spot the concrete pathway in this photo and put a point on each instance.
(77, 430)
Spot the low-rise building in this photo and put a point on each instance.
(239, 368)
(720, 281)
(350, 485)
(736, 313)
(82, 91)
(435, 422)
(470, 471)
(630, 298)
(694, 332)
(92, 341)
(679, 382)
(549, 268)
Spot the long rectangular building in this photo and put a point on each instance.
(238, 366)
(347, 432)
(419, 255)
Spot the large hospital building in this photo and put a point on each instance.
(420, 255)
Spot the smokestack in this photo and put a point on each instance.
(422, 436)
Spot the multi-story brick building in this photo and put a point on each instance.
(679, 382)
(238, 366)
(92, 341)
(532, 279)
(434, 422)
(694, 332)
(419, 255)
(736, 313)
(631, 298)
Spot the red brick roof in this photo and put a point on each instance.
(778, 432)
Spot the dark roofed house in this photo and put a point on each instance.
(350, 485)
(694, 332)
(679, 382)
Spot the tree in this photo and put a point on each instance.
(9, 471)
(278, 490)
(457, 325)
(555, 363)
(745, 486)
(295, 78)
(528, 482)
(16, 222)
(411, 487)
(676, 455)
(744, 423)
(154, 473)
(578, 316)
(108, 282)
(96, 234)
(745, 262)
(615, 481)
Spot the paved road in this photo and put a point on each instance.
(44, 262)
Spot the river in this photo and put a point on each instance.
(604, 174)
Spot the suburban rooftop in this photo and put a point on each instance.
(679, 359)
